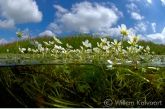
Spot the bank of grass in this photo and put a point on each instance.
(76, 42)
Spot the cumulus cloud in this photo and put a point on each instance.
(89, 17)
(7, 23)
(141, 27)
(131, 7)
(115, 9)
(55, 27)
(3, 41)
(46, 33)
(60, 10)
(136, 16)
(133, 10)
(158, 38)
(18, 11)
(163, 2)
(153, 25)
(112, 32)
(163, 32)
(134, 0)
(149, 1)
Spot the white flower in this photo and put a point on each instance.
(68, 46)
(46, 49)
(41, 49)
(132, 43)
(19, 34)
(96, 50)
(106, 47)
(141, 48)
(29, 49)
(116, 44)
(147, 50)
(22, 49)
(57, 40)
(100, 45)
(51, 42)
(64, 52)
(87, 44)
(104, 41)
(113, 63)
(46, 43)
(123, 29)
(33, 50)
(88, 51)
(7, 50)
(133, 37)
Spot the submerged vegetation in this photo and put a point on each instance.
(84, 71)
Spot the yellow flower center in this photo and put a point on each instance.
(104, 42)
(147, 50)
(133, 43)
(135, 39)
(117, 45)
(19, 34)
(124, 32)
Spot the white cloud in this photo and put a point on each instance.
(55, 27)
(7, 23)
(112, 32)
(86, 16)
(46, 33)
(149, 1)
(136, 16)
(163, 32)
(163, 2)
(3, 41)
(131, 7)
(158, 38)
(61, 9)
(19, 11)
(153, 25)
(134, 0)
(141, 27)
(115, 9)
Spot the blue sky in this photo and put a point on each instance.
(64, 17)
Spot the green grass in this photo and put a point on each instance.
(76, 42)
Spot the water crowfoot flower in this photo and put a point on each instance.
(57, 40)
(104, 41)
(68, 46)
(46, 43)
(132, 43)
(116, 44)
(133, 37)
(111, 63)
(22, 49)
(100, 45)
(123, 29)
(19, 33)
(87, 44)
(147, 50)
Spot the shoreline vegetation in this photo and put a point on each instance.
(76, 42)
